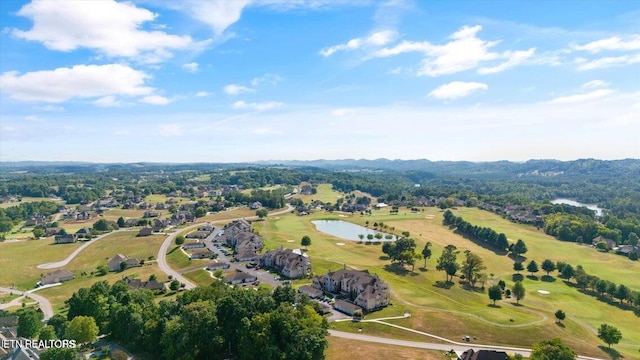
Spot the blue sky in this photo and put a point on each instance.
(245, 80)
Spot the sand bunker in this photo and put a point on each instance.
(341, 215)
(544, 292)
(291, 241)
(429, 216)
(340, 244)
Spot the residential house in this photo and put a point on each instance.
(292, 264)
(238, 236)
(365, 290)
(203, 253)
(84, 232)
(160, 224)
(35, 220)
(50, 231)
(610, 243)
(131, 222)
(145, 231)
(57, 276)
(311, 291)
(197, 235)
(116, 262)
(160, 206)
(151, 214)
(192, 244)
(627, 250)
(255, 205)
(484, 355)
(182, 217)
(246, 256)
(217, 265)
(65, 239)
(240, 277)
(23, 353)
(139, 284)
(346, 307)
(206, 228)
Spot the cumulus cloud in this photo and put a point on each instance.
(378, 38)
(607, 62)
(80, 81)
(260, 106)
(235, 89)
(582, 98)
(464, 51)
(204, 94)
(108, 101)
(456, 89)
(191, 67)
(614, 43)
(108, 27)
(155, 100)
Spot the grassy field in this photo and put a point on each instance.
(348, 349)
(325, 194)
(455, 311)
(201, 277)
(28, 199)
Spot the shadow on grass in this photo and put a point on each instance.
(481, 243)
(516, 304)
(532, 277)
(517, 258)
(495, 306)
(384, 258)
(548, 278)
(423, 269)
(560, 324)
(468, 287)
(517, 277)
(399, 270)
(174, 249)
(613, 353)
(443, 284)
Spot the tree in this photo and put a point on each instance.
(361, 236)
(82, 329)
(518, 291)
(121, 222)
(548, 266)
(59, 354)
(472, 266)
(609, 334)
(262, 213)
(495, 293)
(632, 239)
(47, 333)
(59, 322)
(560, 315)
(568, 272)
(284, 294)
(200, 211)
(38, 233)
(118, 354)
(532, 267)
(174, 285)
(306, 241)
(622, 293)
(102, 270)
(180, 240)
(29, 323)
(426, 253)
(402, 251)
(519, 247)
(517, 266)
(552, 350)
(447, 261)
(101, 225)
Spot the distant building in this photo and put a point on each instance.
(115, 263)
(57, 276)
(65, 239)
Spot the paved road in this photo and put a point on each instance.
(43, 302)
(75, 253)
(162, 253)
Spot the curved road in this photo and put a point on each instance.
(162, 253)
(75, 253)
(43, 302)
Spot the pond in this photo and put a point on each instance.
(346, 230)
(595, 208)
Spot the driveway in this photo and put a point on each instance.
(43, 302)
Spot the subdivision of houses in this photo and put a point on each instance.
(290, 263)
(116, 262)
(358, 286)
(238, 236)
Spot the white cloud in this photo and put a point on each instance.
(594, 84)
(235, 89)
(170, 130)
(257, 106)
(614, 43)
(109, 27)
(32, 118)
(464, 51)
(514, 58)
(456, 89)
(108, 101)
(204, 94)
(155, 100)
(342, 112)
(80, 81)
(606, 62)
(191, 67)
(582, 98)
(268, 78)
(219, 14)
(378, 38)
(50, 108)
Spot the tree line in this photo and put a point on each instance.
(483, 234)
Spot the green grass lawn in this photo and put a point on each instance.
(325, 194)
(201, 277)
(177, 259)
(27, 199)
(453, 312)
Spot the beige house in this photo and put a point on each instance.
(57, 276)
(115, 262)
(363, 289)
(287, 262)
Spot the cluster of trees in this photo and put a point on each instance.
(484, 234)
(402, 251)
(11, 216)
(273, 199)
(203, 323)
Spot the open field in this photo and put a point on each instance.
(229, 214)
(455, 311)
(161, 198)
(348, 349)
(201, 277)
(325, 194)
(273, 187)
(27, 199)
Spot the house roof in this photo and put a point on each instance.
(313, 292)
(484, 355)
(341, 304)
(56, 276)
(239, 275)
